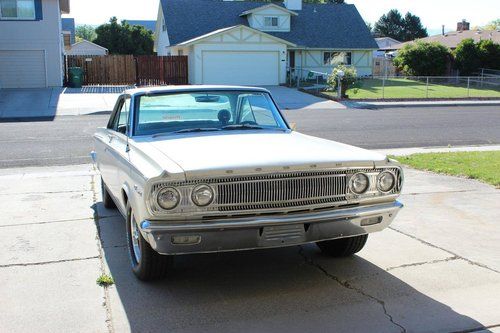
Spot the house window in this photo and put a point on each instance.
(180, 52)
(271, 21)
(17, 9)
(337, 58)
(163, 25)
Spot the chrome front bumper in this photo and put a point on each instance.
(267, 231)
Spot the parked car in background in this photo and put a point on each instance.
(198, 169)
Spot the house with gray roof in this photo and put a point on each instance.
(257, 43)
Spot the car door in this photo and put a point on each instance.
(116, 152)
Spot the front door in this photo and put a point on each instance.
(291, 59)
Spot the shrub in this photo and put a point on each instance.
(423, 59)
(347, 80)
(467, 59)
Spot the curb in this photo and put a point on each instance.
(425, 150)
(421, 104)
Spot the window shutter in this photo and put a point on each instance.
(38, 10)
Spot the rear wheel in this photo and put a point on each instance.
(147, 264)
(107, 201)
(343, 247)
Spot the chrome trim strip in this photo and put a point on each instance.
(312, 217)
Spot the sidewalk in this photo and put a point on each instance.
(52, 102)
(440, 261)
(410, 151)
(398, 104)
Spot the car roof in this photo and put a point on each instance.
(188, 88)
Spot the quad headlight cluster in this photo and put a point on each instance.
(168, 198)
(360, 182)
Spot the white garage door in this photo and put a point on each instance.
(22, 69)
(241, 68)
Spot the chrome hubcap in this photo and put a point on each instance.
(134, 233)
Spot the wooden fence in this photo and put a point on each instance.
(129, 70)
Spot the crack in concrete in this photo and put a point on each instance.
(48, 222)
(347, 285)
(423, 263)
(475, 263)
(106, 302)
(48, 262)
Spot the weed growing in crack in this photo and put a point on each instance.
(105, 280)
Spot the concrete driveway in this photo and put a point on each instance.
(292, 99)
(437, 269)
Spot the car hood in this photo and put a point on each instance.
(214, 154)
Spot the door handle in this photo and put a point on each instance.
(110, 137)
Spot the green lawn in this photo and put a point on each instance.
(483, 166)
(411, 89)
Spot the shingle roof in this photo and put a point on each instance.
(453, 38)
(148, 24)
(68, 24)
(317, 26)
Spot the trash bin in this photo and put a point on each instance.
(75, 77)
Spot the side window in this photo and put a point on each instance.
(119, 121)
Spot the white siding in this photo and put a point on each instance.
(313, 60)
(22, 69)
(162, 42)
(245, 42)
(256, 20)
(38, 36)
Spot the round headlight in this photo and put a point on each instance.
(386, 181)
(168, 198)
(202, 195)
(359, 183)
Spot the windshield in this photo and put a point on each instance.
(205, 111)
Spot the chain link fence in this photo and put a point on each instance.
(485, 85)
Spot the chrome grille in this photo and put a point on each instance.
(281, 191)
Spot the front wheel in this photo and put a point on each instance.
(147, 264)
(343, 247)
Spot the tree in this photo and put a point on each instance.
(124, 38)
(423, 59)
(489, 54)
(493, 25)
(85, 31)
(413, 28)
(467, 59)
(395, 26)
(390, 25)
(369, 26)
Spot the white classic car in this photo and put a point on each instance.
(197, 169)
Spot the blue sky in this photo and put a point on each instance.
(433, 13)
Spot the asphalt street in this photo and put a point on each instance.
(68, 140)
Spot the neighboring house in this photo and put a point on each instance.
(253, 43)
(84, 47)
(31, 47)
(149, 25)
(385, 44)
(453, 38)
(68, 31)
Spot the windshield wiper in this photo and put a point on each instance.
(188, 130)
(241, 126)
(198, 129)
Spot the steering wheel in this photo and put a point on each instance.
(248, 122)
